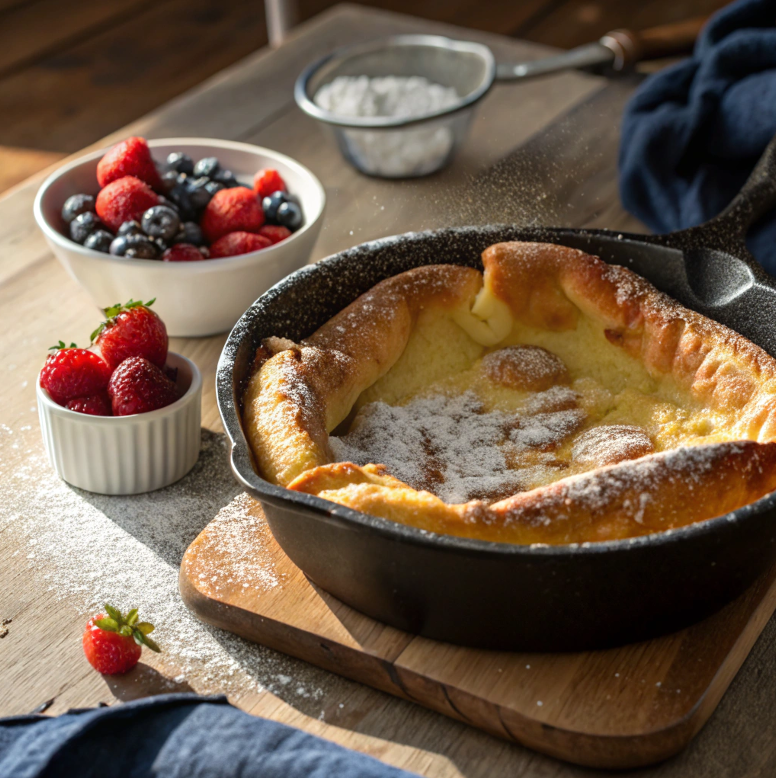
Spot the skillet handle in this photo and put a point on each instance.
(756, 198)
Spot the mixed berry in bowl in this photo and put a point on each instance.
(178, 210)
(123, 372)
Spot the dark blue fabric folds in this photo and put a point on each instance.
(693, 132)
(174, 736)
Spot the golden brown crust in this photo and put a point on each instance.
(609, 444)
(302, 392)
(526, 368)
(658, 492)
(549, 287)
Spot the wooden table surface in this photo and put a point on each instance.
(540, 152)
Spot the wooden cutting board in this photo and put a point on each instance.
(622, 707)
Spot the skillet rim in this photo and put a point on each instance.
(241, 457)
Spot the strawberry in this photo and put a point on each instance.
(131, 157)
(72, 372)
(231, 210)
(113, 643)
(139, 386)
(123, 200)
(131, 330)
(182, 252)
(274, 232)
(94, 405)
(238, 243)
(267, 181)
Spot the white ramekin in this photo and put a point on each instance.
(126, 454)
(195, 299)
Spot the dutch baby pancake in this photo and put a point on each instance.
(552, 398)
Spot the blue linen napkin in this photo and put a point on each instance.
(692, 133)
(174, 736)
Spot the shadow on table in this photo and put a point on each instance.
(143, 681)
(168, 520)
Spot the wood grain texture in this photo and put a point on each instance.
(35, 29)
(566, 23)
(620, 708)
(40, 658)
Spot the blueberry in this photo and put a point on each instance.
(160, 221)
(199, 196)
(99, 240)
(213, 187)
(271, 203)
(289, 215)
(160, 244)
(206, 167)
(190, 233)
(169, 179)
(76, 205)
(169, 203)
(136, 246)
(180, 163)
(83, 226)
(130, 228)
(142, 252)
(225, 177)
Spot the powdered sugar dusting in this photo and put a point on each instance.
(453, 448)
(88, 549)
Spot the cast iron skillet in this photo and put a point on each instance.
(503, 596)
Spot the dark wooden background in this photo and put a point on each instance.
(72, 71)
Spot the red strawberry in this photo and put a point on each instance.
(94, 405)
(73, 372)
(182, 252)
(131, 330)
(230, 210)
(113, 642)
(131, 157)
(238, 243)
(138, 386)
(267, 181)
(123, 200)
(274, 232)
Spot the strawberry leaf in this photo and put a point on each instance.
(114, 613)
(125, 630)
(145, 627)
(131, 617)
(61, 345)
(144, 640)
(109, 625)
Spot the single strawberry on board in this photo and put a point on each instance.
(131, 330)
(72, 372)
(113, 642)
(139, 386)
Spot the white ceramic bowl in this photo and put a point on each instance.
(193, 298)
(126, 454)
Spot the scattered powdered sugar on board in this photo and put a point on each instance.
(89, 549)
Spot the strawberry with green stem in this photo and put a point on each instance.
(113, 642)
(131, 330)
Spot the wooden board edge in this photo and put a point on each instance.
(302, 644)
(583, 748)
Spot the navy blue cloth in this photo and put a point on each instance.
(693, 132)
(175, 736)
